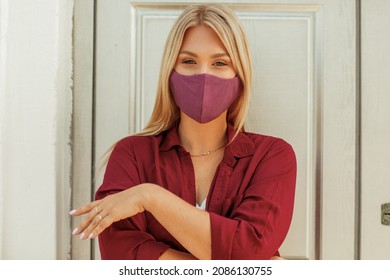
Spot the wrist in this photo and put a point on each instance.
(149, 193)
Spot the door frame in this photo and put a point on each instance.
(83, 117)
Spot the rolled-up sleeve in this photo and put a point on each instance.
(257, 227)
(126, 239)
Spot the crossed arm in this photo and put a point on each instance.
(194, 232)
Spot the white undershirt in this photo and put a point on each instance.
(202, 206)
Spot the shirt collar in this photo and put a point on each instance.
(240, 145)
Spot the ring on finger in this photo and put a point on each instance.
(96, 209)
(100, 217)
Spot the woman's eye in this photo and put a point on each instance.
(189, 61)
(219, 63)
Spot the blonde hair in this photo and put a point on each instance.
(222, 20)
(226, 25)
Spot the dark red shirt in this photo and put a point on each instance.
(250, 200)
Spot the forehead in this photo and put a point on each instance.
(202, 37)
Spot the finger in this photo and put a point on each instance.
(84, 209)
(97, 226)
(90, 226)
(104, 223)
(89, 219)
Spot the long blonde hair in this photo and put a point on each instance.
(223, 21)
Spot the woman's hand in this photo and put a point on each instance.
(100, 214)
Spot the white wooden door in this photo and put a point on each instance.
(305, 92)
(375, 175)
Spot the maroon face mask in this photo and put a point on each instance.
(204, 97)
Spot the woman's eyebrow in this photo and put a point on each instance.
(217, 55)
(189, 53)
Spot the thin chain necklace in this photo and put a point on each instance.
(210, 152)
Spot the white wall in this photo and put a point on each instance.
(35, 125)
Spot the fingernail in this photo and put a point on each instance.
(82, 235)
(72, 212)
(90, 236)
(75, 230)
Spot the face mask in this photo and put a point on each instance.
(204, 97)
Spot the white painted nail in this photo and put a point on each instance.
(72, 212)
(75, 230)
(90, 236)
(82, 235)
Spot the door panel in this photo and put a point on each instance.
(304, 91)
(283, 102)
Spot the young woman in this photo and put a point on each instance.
(193, 184)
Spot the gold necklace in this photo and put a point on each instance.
(210, 152)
